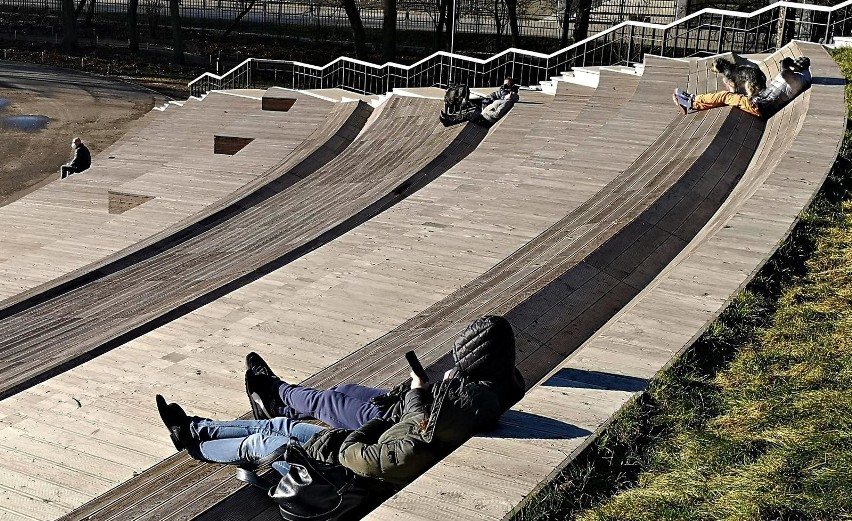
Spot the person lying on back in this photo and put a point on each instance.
(498, 103)
(411, 428)
(793, 79)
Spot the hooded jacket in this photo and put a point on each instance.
(484, 385)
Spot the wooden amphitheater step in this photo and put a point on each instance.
(103, 309)
(577, 399)
(66, 225)
(536, 111)
(548, 286)
(607, 108)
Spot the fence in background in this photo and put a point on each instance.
(539, 18)
(708, 31)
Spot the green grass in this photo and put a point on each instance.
(755, 420)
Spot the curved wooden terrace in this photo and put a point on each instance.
(608, 104)
(610, 248)
(577, 398)
(168, 168)
(403, 150)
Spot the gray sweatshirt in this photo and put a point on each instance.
(786, 85)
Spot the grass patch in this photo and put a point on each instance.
(755, 420)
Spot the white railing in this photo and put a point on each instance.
(708, 31)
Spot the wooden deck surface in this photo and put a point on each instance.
(66, 224)
(576, 400)
(606, 108)
(353, 291)
(280, 316)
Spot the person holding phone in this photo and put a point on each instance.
(395, 452)
(484, 355)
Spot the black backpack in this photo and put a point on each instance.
(457, 106)
(312, 490)
(456, 98)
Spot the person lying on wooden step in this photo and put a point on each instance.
(484, 356)
(498, 103)
(793, 79)
(430, 426)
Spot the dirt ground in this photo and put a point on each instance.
(96, 109)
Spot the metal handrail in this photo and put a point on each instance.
(626, 42)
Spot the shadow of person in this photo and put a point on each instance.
(825, 80)
(581, 379)
(524, 425)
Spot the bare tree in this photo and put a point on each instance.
(246, 7)
(389, 30)
(177, 32)
(441, 22)
(90, 14)
(583, 12)
(152, 16)
(69, 25)
(357, 28)
(499, 15)
(512, 14)
(132, 8)
(566, 19)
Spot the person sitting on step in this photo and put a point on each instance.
(82, 159)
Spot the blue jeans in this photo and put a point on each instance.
(246, 441)
(344, 406)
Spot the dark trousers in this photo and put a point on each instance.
(66, 170)
(344, 406)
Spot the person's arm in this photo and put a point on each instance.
(362, 452)
(75, 162)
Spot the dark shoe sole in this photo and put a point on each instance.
(167, 415)
(681, 107)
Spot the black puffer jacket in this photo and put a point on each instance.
(485, 384)
(485, 353)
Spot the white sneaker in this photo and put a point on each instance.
(683, 100)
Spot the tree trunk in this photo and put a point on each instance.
(389, 30)
(69, 25)
(237, 20)
(498, 27)
(566, 18)
(177, 31)
(132, 8)
(79, 9)
(90, 14)
(357, 28)
(451, 21)
(512, 11)
(439, 25)
(581, 26)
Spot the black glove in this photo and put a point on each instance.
(386, 401)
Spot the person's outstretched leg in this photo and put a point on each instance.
(245, 441)
(359, 392)
(335, 408)
(720, 99)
